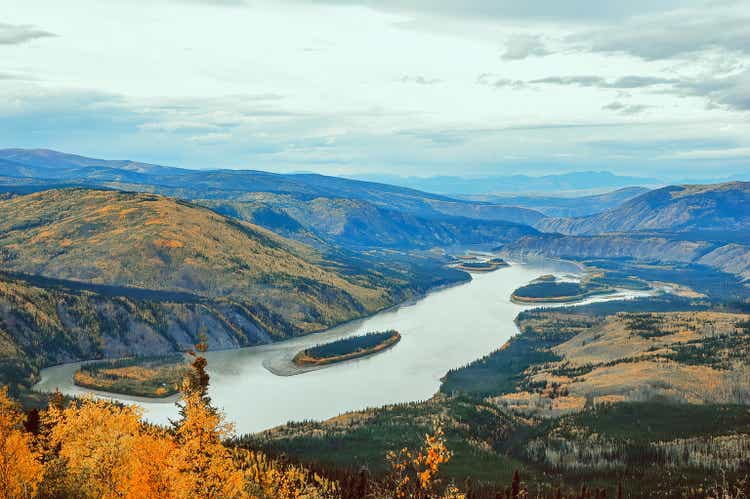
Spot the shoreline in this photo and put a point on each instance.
(172, 398)
(287, 367)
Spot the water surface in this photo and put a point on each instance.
(443, 330)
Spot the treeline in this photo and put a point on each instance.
(351, 344)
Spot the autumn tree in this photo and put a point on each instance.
(203, 465)
(21, 469)
(414, 473)
(108, 452)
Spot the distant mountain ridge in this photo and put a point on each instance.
(572, 181)
(368, 212)
(564, 206)
(683, 208)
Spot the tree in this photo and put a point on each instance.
(203, 465)
(21, 469)
(414, 474)
(108, 452)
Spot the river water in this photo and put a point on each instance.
(443, 330)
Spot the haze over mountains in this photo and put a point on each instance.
(573, 182)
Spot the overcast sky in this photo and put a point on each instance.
(408, 87)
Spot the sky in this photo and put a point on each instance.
(408, 87)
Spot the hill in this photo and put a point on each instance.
(567, 206)
(715, 208)
(108, 273)
(355, 223)
(45, 165)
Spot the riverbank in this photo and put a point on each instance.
(446, 328)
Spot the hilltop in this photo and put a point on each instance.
(154, 242)
(683, 208)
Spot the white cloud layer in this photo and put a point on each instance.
(410, 87)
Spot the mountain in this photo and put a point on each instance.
(684, 208)
(573, 181)
(560, 206)
(46, 163)
(152, 242)
(706, 225)
(313, 209)
(354, 223)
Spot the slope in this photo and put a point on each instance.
(685, 208)
(152, 242)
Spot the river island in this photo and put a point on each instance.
(153, 377)
(344, 349)
(550, 289)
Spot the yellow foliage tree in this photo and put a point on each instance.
(21, 470)
(107, 452)
(203, 465)
(414, 474)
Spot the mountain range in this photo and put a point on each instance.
(321, 208)
(702, 224)
(582, 183)
(566, 206)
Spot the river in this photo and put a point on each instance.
(442, 330)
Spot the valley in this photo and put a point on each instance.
(520, 333)
(357, 249)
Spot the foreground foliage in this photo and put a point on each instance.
(95, 448)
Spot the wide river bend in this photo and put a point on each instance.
(442, 330)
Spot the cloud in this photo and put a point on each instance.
(730, 92)
(211, 138)
(15, 34)
(419, 80)
(727, 153)
(219, 3)
(573, 11)
(625, 82)
(499, 82)
(671, 35)
(521, 46)
(625, 109)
